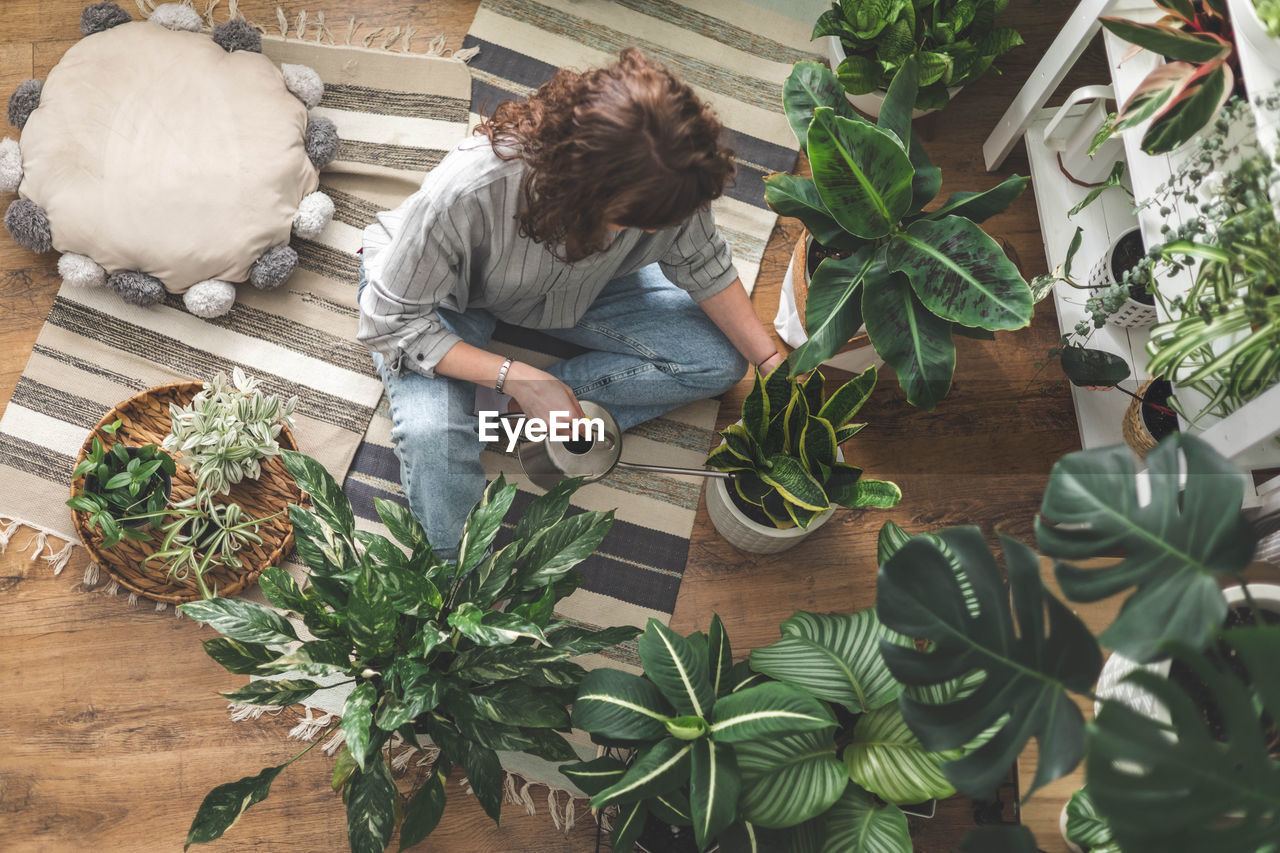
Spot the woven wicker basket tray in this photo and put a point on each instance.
(145, 420)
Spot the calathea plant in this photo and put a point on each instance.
(913, 277)
(783, 453)
(1160, 788)
(417, 637)
(682, 723)
(954, 41)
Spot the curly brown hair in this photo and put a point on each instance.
(628, 144)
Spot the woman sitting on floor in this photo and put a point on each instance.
(582, 212)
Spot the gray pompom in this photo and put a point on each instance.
(28, 225)
(23, 101)
(211, 298)
(177, 17)
(322, 141)
(102, 16)
(275, 265)
(137, 288)
(304, 83)
(237, 34)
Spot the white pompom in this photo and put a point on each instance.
(177, 17)
(304, 83)
(80, 271)
(314, 212)
(211, 298)
(10, 165)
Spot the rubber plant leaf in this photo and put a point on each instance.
(1030, 647)
(811, 85)
(1169, 41)
(833, 312)
(1177, 546)
(862, 172)
(835, 657)
(910, 338)
(1185, 790)
(961, 274)
(789, 779)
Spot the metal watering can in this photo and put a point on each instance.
(548, 462)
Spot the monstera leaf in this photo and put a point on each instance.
(1175, 547)
(1185, 792)
(1029, 662)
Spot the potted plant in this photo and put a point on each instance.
(912, 277)
(788, 471)
(1181, 96)
(1159, 787)
(1083, 829)
(419, 638)
(227, 429)
(123, 487)
(954, 41)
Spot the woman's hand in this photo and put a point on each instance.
(770, 364)
(538, 393)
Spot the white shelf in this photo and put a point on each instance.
(1098, 413)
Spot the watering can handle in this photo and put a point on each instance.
(1084, 93)
(667, 469)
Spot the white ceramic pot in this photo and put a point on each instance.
(869, 104)
(1132, 313)
(747, 535)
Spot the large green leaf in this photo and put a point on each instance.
(833, 312)
(928, 177)
(1028, 670)
(371, 806)
(595, 775)
(791, 195)
(1176, 547)
(794, 483)
(222, 806)
(546, 509)
(357, 720)
(424, 811)
(714, 786)
(628, 823)
(767, 709)
(273, 693)
(899, 102)
(858, 823)
(559, 548)
(834, 657)
(243, 621)
(809, 86)
(660, 768)
(1086, 827)
(578, 640)
(910, 338)
(720, 657)
(620, 706)
(324, 548)
(371, 618)
(888, 760)
(327, 497)
(678, 667)
(1169, 41)
(858, 74)
(862, 172)
(787, 780)
(519, 705)
(961, 274)
(980, 206)
(1189, 109)
(844, 404)
(1189, 792)
(483, 523)
(1093, 368)
(238, 658)
(402, 523)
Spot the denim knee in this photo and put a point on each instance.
(719, 366)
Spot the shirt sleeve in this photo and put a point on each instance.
(425, 263)
(699, 259)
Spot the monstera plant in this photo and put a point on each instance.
(418, 637)
(1159, 787)
(912, 277)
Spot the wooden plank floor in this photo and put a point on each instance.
(110, 727)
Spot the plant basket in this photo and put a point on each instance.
(145, 420)
(1134, 427)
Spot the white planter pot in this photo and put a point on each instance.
(1132, 313)
(1260, 64)
(869, 103)
(747, 535)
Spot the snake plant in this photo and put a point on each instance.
(913, 277)
(954, 41)
(783, 452)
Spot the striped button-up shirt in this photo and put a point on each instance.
(455, 244)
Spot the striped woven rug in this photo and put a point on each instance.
(734, 54)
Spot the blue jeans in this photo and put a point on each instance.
(651, 349)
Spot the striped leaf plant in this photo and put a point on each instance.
(783, 450)
(913, 277)
(676, 732)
